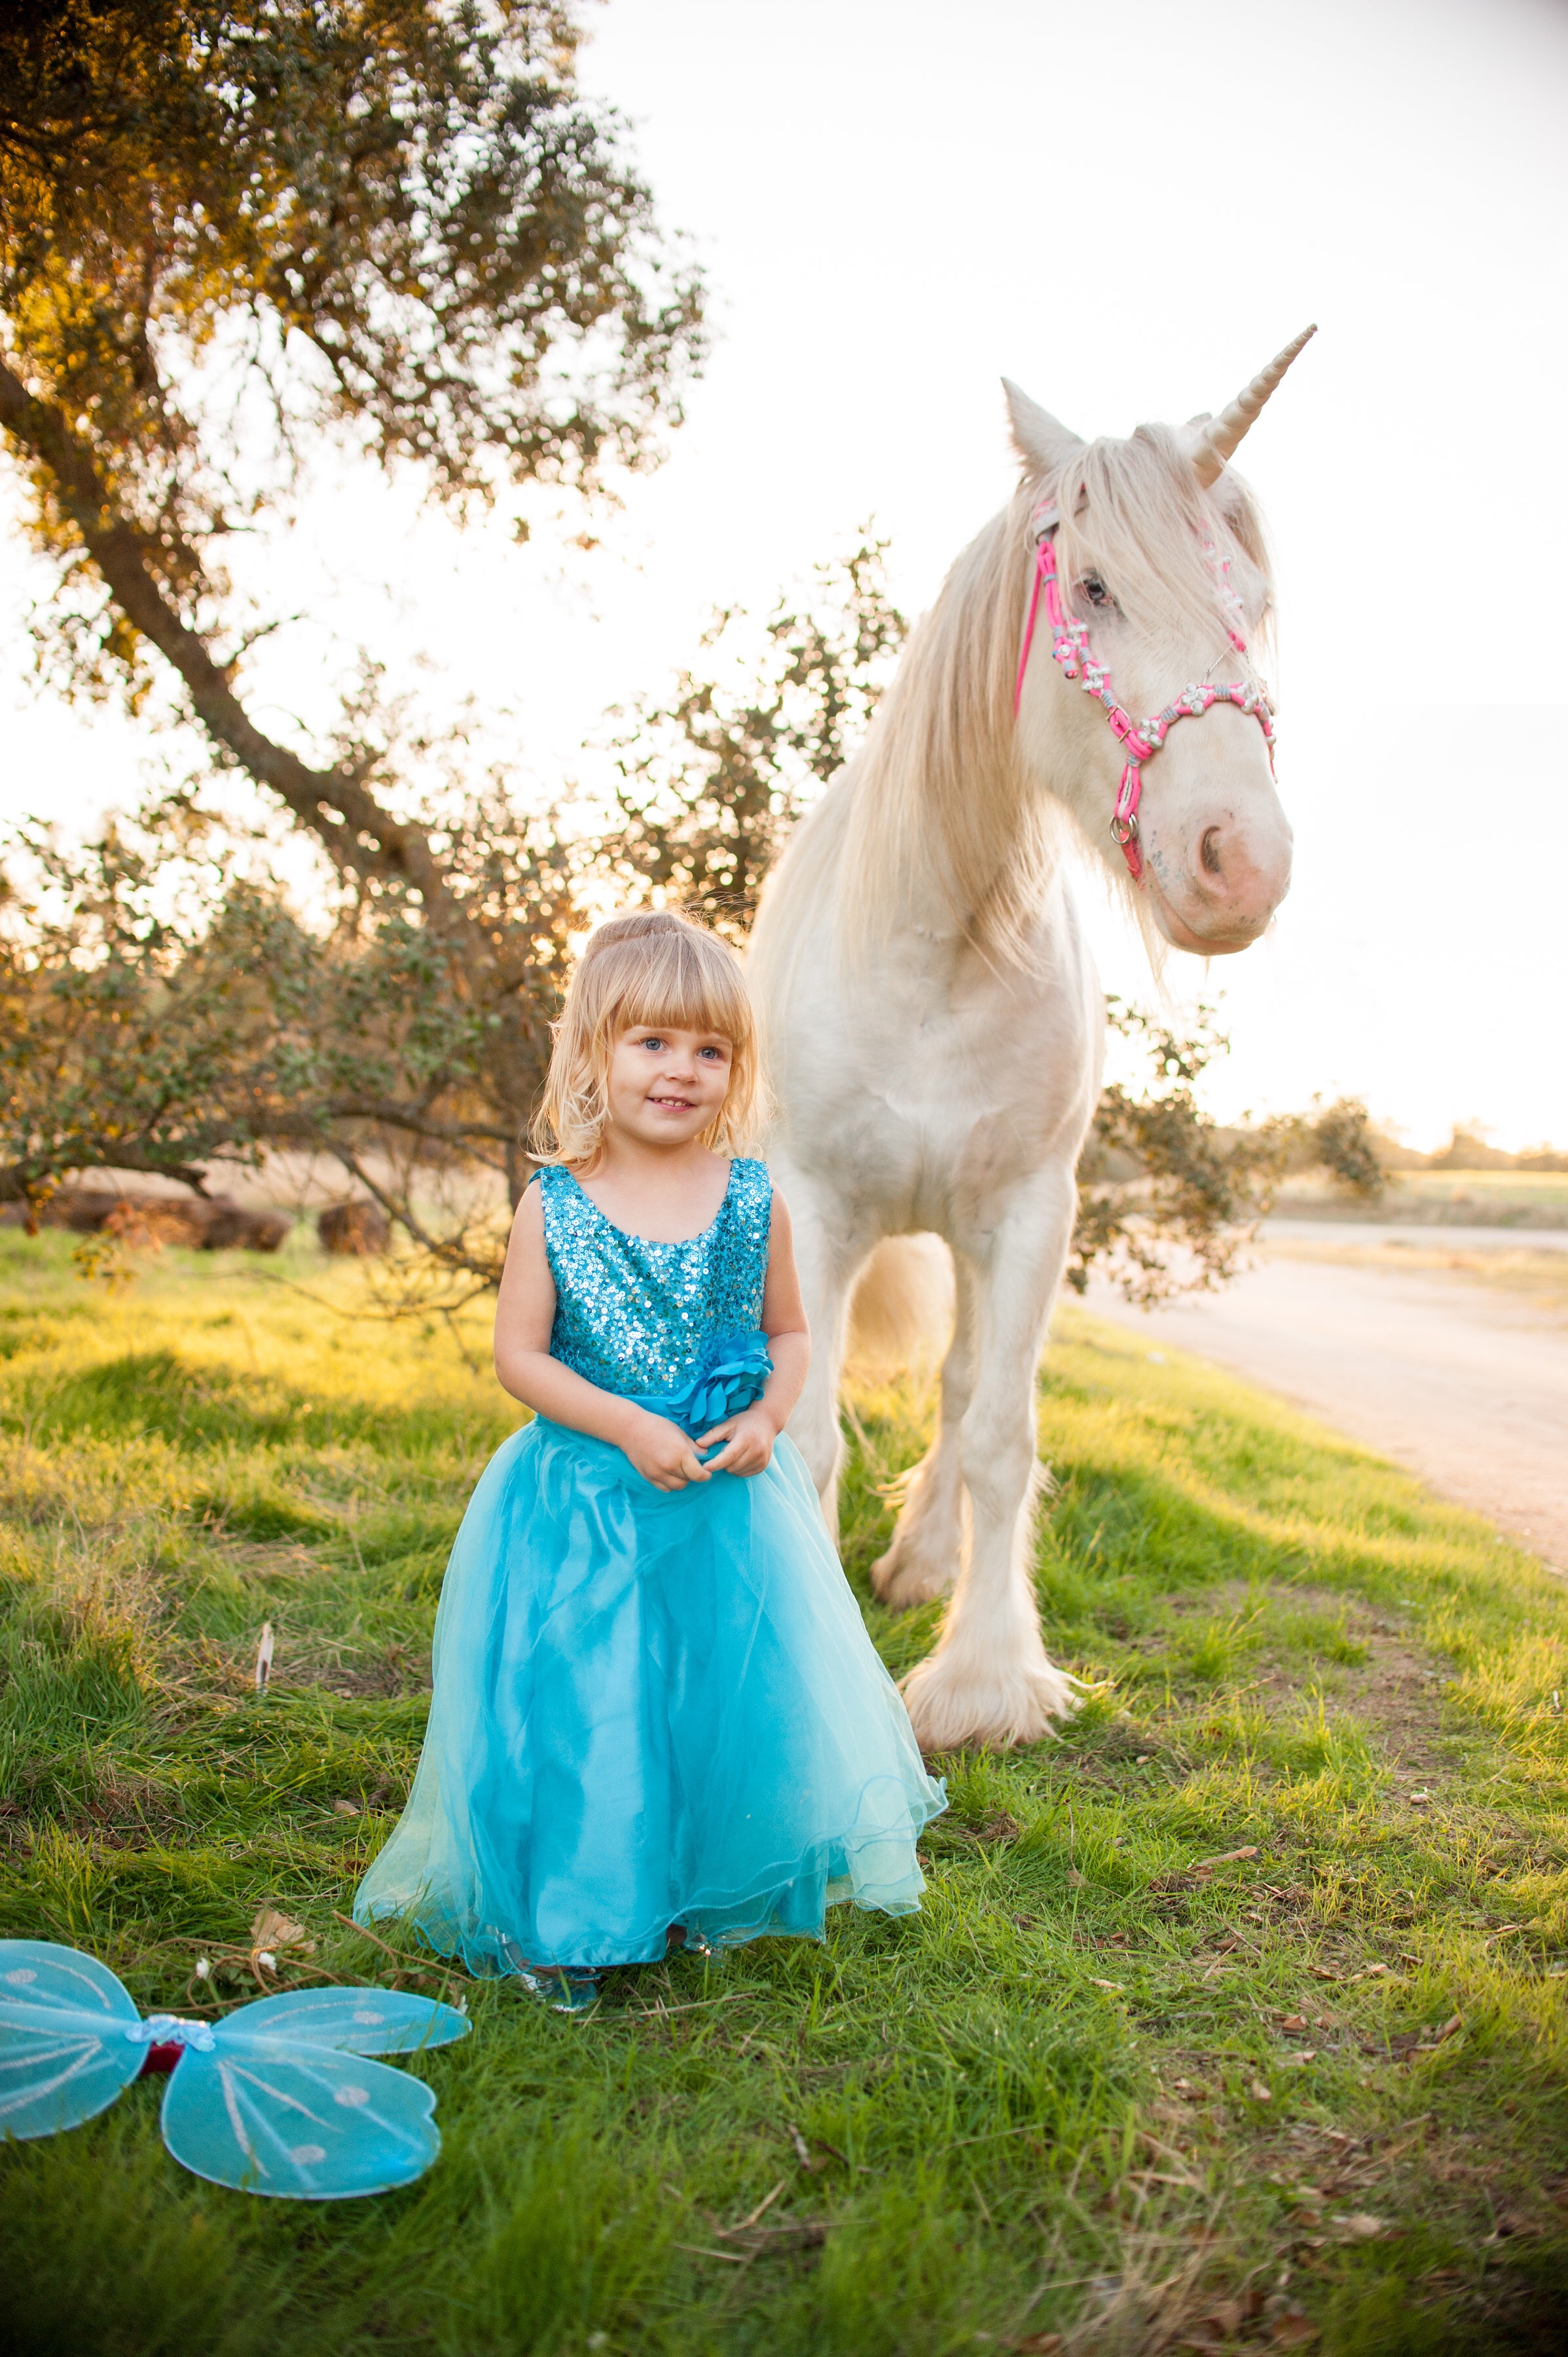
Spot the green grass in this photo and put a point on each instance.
(1062, 2100)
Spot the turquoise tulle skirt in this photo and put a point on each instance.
(649, 1709)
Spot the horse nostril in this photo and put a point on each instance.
(1208, 849)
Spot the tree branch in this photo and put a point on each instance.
(19, 1181)
(338, 809)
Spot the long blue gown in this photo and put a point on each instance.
(651, 1708)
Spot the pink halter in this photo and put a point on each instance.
(1141, 739)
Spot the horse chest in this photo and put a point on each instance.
(925, 1103)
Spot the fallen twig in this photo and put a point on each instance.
(662, 2012)
(750, 2219)
(374, 1937)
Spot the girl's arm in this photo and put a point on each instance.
(525, 1312)
(749, 1437)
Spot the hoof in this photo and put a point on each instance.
(953, 1710)
(901, 1585)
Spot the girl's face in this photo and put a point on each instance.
(666, 1087)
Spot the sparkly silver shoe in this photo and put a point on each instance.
(697, 1945)
(561, 1989)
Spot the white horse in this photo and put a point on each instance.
(935, 1022)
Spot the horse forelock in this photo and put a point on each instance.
(1135, 509)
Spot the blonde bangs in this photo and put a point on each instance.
(657, 970)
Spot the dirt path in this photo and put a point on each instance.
(1463, 1384)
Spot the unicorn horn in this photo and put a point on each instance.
(1211, 440)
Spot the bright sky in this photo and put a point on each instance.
(898, 203)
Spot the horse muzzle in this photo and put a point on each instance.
(1220, 890)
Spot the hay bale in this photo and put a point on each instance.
(228, 1226)
(83, 1210)
(358, 1229)
(146, 1222)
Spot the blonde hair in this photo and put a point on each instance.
(656, 968)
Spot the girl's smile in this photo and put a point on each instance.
(665, 1088)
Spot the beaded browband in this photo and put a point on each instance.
(1140, 738)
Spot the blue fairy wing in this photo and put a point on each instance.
(302, 2122)
(68, 2038)
(355, 2020)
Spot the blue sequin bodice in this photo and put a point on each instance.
(632, 1316)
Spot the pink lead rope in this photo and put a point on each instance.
(1139, 739)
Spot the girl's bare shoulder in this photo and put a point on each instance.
(528, 1219)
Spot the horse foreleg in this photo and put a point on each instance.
(827, 1260)
(928, 1544)
(988, 1681)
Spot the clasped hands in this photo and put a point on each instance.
(667, 1456)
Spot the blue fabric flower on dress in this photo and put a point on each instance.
(730, 1373)
(276, 2098)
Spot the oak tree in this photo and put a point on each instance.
(403, 232)
(396, 228)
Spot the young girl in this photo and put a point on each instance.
(657, 1714)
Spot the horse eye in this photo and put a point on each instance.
(1094, 589)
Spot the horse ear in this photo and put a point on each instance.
(1042, 441)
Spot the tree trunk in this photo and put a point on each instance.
(359, 836)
